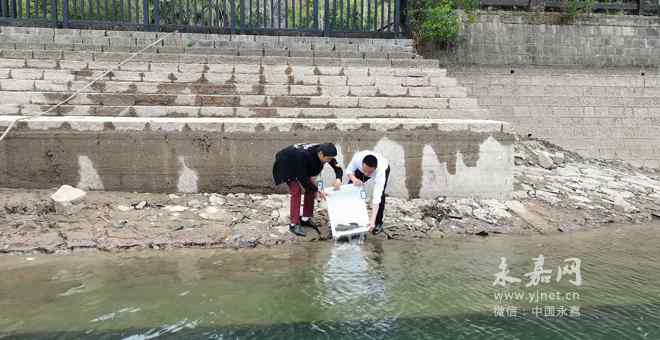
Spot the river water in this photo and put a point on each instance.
(432, 289)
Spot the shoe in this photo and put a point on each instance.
(309, 223)
(297, 229)
(378, 229)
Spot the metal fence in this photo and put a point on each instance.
(318, 17)
(626, 6)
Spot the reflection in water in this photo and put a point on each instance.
(354, 286)
(347, 276)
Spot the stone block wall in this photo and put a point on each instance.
(611, 113)
(502, 38)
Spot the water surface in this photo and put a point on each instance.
(440, 289)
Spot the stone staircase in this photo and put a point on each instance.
(274, 89)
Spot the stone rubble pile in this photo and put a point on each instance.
(557, 190)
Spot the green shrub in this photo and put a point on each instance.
(574, 8)
(440, 22)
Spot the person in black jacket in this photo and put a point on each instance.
(297, 165)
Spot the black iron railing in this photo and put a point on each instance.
(322, 17)
(626, 6)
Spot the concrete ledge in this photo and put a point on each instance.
(85, 55)
(82, 124)
(212, 88)
(192, 40)
(225, 74)
(429, 157)
(355, 71)
(40, 49)
(245, 112)
(138, 99)
(117, 87)
(46, 48)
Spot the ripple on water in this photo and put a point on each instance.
(164, 330)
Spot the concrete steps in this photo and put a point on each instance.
(204, 79)
(205, 112)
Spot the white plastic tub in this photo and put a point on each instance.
(346, 206)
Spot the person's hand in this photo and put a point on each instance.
(357, 182)
(337, 185)
(371, 226)
(322, 195)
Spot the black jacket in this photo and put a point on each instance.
(300, 162)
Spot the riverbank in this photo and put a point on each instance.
(554, 191)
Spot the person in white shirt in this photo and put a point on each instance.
(367, 165)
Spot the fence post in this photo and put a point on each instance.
(53, 12)
(242, 15)
(157, 15)
(316, 14)
(406, 18)
(397, 16)
(326, 17)
(145, 14)
(233, 16)
(65, 13)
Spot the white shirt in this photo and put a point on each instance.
(378, 175)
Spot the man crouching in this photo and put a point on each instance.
(297, 165)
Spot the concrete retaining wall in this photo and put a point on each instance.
(499, 38)
(611, 113)
(429, 157)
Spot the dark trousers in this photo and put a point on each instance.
(381, 206)
(296, 190)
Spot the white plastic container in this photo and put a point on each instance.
(346, 206)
